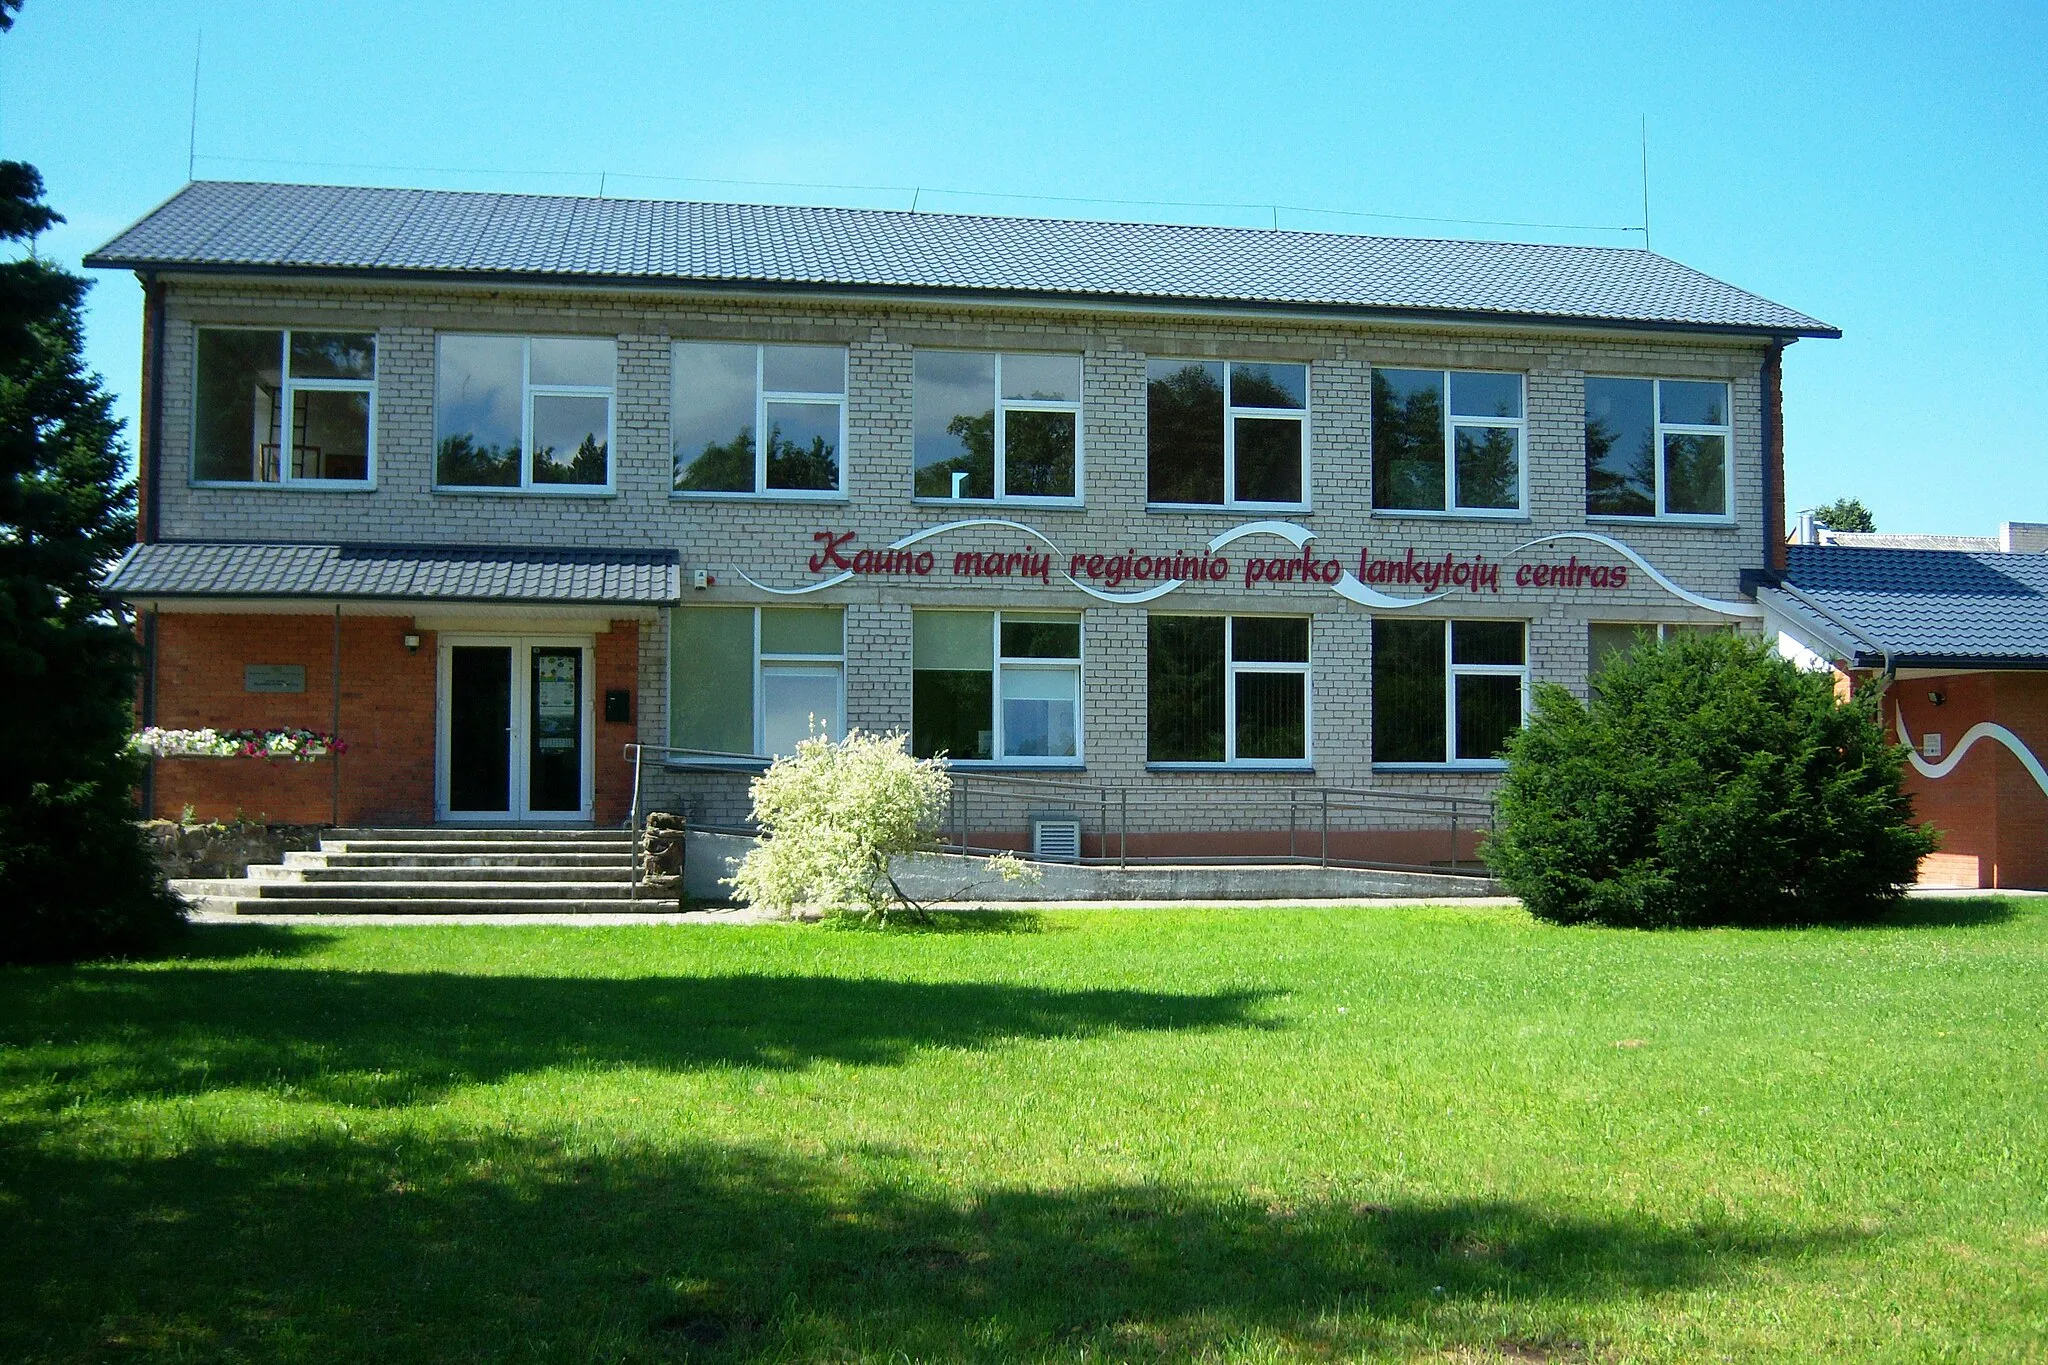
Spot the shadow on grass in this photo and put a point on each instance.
(204, 942)
(1941, 912)
(381, 1038)
(938, 920)
(429, 1249)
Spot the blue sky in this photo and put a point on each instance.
(1879, 167)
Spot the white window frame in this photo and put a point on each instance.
(1076, 666)
(763, 396)
(287, 386)
(1658, 427)
(1231, 412)
(815, 662)
(1232, 669)
(1003, 407)
(1519, 425)
(528, 391)
(1452, 672)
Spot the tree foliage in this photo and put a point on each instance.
(76, 878)
(834, 814)
(1845, 514)
(1708, 782)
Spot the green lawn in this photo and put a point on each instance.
(1269, 1135)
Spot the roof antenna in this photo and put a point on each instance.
(192, 129)
(1646, 182)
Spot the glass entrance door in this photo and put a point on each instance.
(514, 722)
(480, 729)
(555, 730)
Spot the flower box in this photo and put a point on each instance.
(299, 746)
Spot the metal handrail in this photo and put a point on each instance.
(1461, 813)
(715, 760)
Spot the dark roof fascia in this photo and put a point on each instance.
(1164, 303)
(2009, 663)
(160, 596)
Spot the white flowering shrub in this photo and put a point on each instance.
(833, 814)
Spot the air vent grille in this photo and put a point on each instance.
(1056, 840)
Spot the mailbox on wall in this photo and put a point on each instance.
(618, 705)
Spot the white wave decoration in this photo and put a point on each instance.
(834, 581)
(1742, 609)
(1351, 589)
(1983, 729)
(1297, 536)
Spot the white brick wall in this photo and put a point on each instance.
(771, 539)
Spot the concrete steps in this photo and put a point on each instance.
(438, 871)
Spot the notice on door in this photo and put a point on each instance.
(555, 699)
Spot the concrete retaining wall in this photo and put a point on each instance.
(945, 876)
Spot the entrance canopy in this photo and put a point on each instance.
(195, 572)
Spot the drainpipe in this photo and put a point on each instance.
(149, 521)
(1773, 380)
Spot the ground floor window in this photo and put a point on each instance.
(1227, 689)
(1605, 639)
(1446, 693)
(755, 680)
(989, 685)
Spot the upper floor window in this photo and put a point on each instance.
(721, 394)
(1227, 689)
(996, 427)
(524, 412)
(1657, 448)
(1226, 433)
(284, 407)
(1447, 441)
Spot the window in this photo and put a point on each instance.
(721, 394)
(1228, 689)
(1605, 639)
(996, 685)
(1446, 693)
(1657, 448)
(755, 680)
(1447, 441)
(996, 426)
(1226, 433)
(282, 407)
(524, 412)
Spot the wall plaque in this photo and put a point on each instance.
(273, 677)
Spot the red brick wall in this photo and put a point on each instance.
(1989, 810)
(387, 718)
(617, 660)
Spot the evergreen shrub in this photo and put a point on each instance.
(1708, 781)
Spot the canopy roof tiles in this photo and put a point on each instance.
(1921, 608)
(327, 230)
(396, 573)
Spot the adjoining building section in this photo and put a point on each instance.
(1958, 638)
(1176, 542)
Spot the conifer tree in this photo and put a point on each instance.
(76, 878)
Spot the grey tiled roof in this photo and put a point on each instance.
(408, 573)
(1927, 608)
(233, 225)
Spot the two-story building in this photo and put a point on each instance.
(1213, 521)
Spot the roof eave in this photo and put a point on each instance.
(1040, 298)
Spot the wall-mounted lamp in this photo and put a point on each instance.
(1937, 697)
(412, 644)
